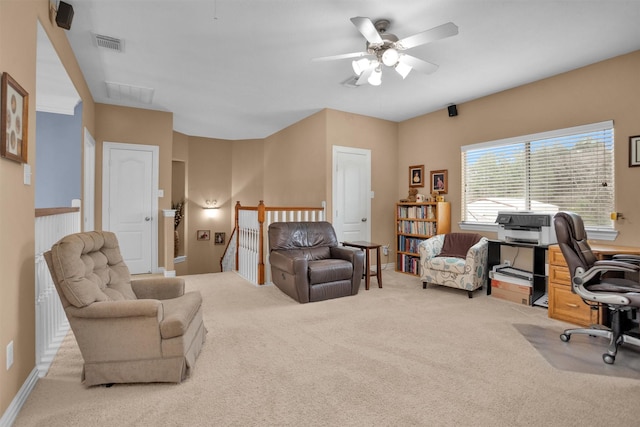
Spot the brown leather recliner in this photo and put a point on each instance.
(308, 265)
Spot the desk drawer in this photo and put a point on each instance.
(555, 256)
(559, 275)
(567, 306)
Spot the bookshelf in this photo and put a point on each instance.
(416, 222)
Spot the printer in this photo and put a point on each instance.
(526, 227)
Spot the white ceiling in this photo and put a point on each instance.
(241, 69)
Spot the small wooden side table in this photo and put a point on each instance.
(366, 246)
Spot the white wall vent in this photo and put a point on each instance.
(109, 42)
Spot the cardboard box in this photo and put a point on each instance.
(510, 286)
(517, 297)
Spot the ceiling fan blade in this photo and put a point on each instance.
(364, 77)
(342, 56)
(367, 29)
(436, 33)
(418, 64)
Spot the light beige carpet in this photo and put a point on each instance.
(397, 356)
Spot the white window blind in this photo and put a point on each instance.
(568, 169)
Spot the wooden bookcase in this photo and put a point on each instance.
(416, 222)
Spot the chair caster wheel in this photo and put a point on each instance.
(608, 359)
(565, 337)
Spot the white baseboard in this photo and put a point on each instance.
(10, 415)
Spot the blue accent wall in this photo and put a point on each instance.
(58, 172)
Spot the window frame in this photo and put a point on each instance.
(600, 233)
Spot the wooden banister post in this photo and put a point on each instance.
(261, 215)
(237, 235)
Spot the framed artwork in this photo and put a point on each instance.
(439, 181)
(203, 234)
(219, 238)
(634, 151)
(14, 120)
(416, 176)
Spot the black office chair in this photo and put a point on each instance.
(589, 280)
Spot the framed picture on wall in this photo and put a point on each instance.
(219, 238)
(634, 151)
(14, 120)
(416, 176)
(439, 181)
(203, 234)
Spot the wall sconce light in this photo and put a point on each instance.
(210, 207)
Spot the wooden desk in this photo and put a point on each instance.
(563, 303)
(366, 246)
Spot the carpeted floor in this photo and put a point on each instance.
(396, 356)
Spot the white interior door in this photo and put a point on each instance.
(352, 193)
(130, 181)
(89, 203)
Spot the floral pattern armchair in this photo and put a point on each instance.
(469, 273)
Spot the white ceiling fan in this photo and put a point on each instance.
(386, 49)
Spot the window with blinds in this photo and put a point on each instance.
(568, 169)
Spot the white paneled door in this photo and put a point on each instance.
(352, 193)
(129, 202)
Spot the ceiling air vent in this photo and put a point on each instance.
(109, 42)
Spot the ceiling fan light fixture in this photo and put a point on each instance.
(375, 79)
(359, 65)
(403, 69)
(390, 57)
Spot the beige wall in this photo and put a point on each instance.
(607, 90)
(18, 30)
(294, 164)
(209, 176)
(248, 164)
(136, 126)
(379, 136)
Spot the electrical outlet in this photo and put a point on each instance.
(385, 250)
(9, 355)
(507, 262)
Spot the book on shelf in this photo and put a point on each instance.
(415, 212)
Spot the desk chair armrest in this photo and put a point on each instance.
(600, 267)
(634, 259)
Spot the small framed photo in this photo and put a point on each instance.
(13, 122)
(203, 234)
(219, 238)
(439, 181)
(634, 151)
(416, 176)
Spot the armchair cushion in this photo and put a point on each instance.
(92, 269)
(329, 270)
(458, 244)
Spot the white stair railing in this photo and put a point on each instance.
(51, 321)
(252, 225)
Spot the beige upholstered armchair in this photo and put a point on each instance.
(128, 331)
(457, 260)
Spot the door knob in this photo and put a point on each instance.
(364, 220)
(148, 218)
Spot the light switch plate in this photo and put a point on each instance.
(27, 173)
